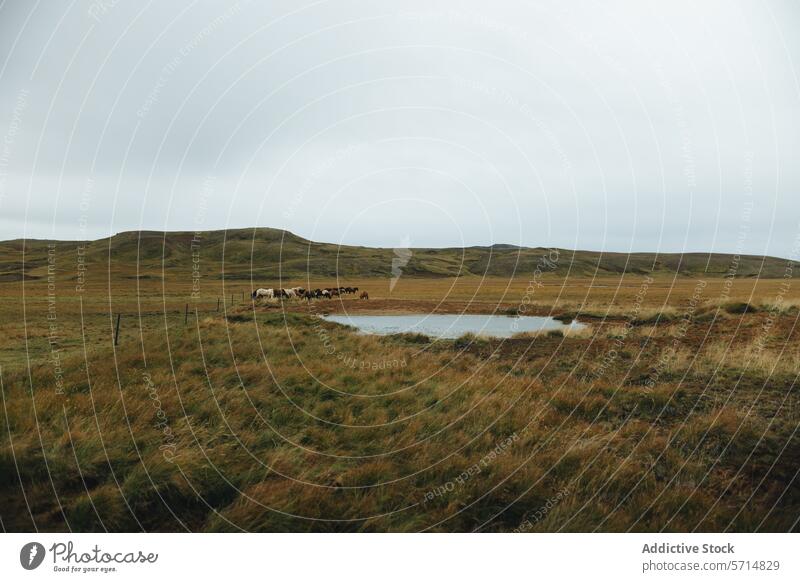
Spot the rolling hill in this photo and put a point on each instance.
(271, 253)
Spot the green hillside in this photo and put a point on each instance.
(272, 253)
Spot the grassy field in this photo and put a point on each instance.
(676, 409)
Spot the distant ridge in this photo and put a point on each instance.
(268, 253)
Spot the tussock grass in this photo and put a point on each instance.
(270, 419)
(314, 439)
(408, 338)
(739, 307)
(469, 339)
(785, 307)
(751, 356)
(638, 316)
(573, 332)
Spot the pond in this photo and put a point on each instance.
(451, 326)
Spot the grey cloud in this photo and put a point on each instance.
(617, 126)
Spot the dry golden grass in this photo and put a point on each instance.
(790, 306)
(751, 356)
(572, 332)
(268, 419)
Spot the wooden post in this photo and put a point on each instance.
(217, 303)
(116, 333)
(186, 315)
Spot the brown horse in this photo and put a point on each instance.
(364, 295)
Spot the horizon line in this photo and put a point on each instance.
(486, 246)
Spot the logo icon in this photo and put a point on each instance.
(31, 555)
(402, 254)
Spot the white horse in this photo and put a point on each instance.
(268, 293)
(290, 293)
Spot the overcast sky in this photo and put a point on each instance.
(596, 125)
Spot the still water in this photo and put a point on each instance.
(450, 326)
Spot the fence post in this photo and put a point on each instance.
(116, 333)
(217, 303)
(186, 315)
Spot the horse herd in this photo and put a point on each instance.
(309, 294)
